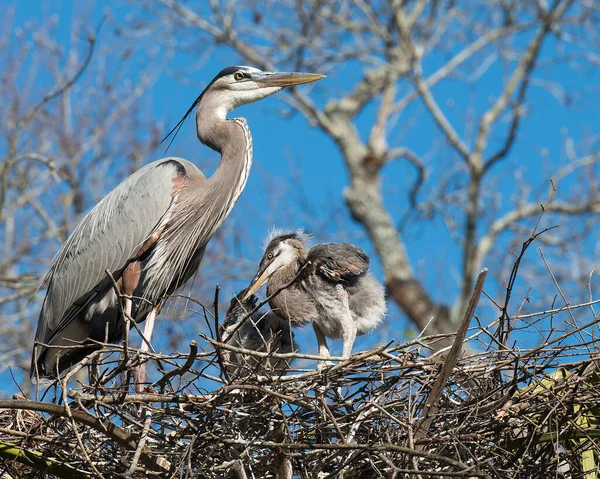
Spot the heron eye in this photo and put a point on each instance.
(270, 255)
(238, 76)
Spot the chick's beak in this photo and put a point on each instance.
(285, 79)
(261, 278)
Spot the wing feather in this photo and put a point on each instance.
(339, 262)
(107, 238)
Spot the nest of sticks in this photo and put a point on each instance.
(477, 408)
(394, 411)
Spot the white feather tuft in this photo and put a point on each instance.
(276, 231)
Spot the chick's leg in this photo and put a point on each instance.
(323, 349)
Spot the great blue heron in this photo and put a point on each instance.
(333, 290)
(150, 232)
(263, 331)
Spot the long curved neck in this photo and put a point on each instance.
(235, 145)
(233, 140)
(203, 204)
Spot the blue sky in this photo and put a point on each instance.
(291, 151)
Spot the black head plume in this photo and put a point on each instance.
(176, 128)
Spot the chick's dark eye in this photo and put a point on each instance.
(270, 255)
(238, 76)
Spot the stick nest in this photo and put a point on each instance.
(501, 413)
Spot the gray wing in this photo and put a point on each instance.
(107, 238)
(339, 262)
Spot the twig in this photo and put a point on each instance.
(141, 444)
(181, 370)
(504, 324)
(218, 350)
(431, 407)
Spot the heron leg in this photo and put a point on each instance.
(323, 349)
(125, 374)
(348, 326)
(348, 336)
(129, 282)
(140, 371)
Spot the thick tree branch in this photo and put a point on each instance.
(438, 115)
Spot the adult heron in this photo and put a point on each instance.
(263, 331)
(328, 286)
(151, 231)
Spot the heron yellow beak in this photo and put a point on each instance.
(271, 79)
(260, 279)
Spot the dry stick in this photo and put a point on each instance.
(562, 295)
(504, 325)
(70, 415)
(371, 448)
(238, 468)
(443, 474)
(261, 354)
(218, 350)
(26, 435)
(430, 407)
(37, 372)
(548, 312)
(183, 398)
(531, 353)
(332, 418)
(344, 362)
(181, 370)
(367, 410)
(283, 463)
(591, 307)
(142, 443)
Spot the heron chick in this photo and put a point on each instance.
(262, 331)
(330, 288)
(151, 231)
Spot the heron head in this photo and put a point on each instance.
(283, 249)
(235, 86)
(239, 85)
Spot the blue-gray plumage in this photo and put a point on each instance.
(333, 289)
(263, 331)
(150, 232)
